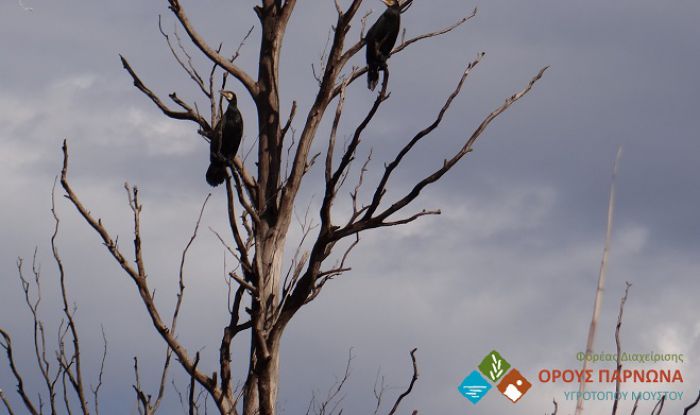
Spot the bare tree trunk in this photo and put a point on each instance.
(270, 232)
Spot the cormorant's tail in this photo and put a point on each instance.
(372, 77)
(216, 173)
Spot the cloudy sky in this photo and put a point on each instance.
(510, 265)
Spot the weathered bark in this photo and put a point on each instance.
(270, 233)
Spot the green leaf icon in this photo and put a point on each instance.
(494, 366)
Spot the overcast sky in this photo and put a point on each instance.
(510, 265)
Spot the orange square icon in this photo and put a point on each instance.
(514, 385)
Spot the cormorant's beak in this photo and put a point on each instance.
(389, 3)
(227, 94)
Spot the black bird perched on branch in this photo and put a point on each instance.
(381, 38)
(225, 141)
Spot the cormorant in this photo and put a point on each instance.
(225, 141)
(381, 38)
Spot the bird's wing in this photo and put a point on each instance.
(389, 36)
(373, 31)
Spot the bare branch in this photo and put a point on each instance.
(411, 218)
(659, 406)
(636, 404)
(239, 181)
(237, 53)
(230, 331)
(408, 390)
(192, 386)
(692, 405)
(96, 390)
(323, 97)
(216, 57)
(556, 407)
(38, 325)
(183, 259)
(76, 377)
(138, 277)
(240, 244)
(378, 389)
(7, 345)
(176, 312)
(187, 67)
(141, 398)
(243, 283)
(189, 114)
(6, 403)
(354, 49)
(325, 276)
(335, 390)
(619, 347)
(439, 32)
(292, 113)
(332, 182)
(334, 133)
(306, 284)
(381, 188)
(377, 220)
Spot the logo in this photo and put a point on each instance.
(493, 368)
(474, 387)
(514, 385)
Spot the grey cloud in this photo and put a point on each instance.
(523, 215)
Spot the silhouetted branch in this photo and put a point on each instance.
(439, 32)
(556, 406)
(96, 389)
(692, 405)
(408, 390)
(178, 115)
(143, 401)
(659, 406)
(187, 67)
(138, 275)
(215, 56)
(75, 376)
(38, 326)
(286, 127)
(619, 346)
(381, 187)
(241, 246)
(180, 296)
(378, 389)
(192, 387)
(354, 49)
(6, 403)
(230, 331)
(368, 221)
(331, 404)
(323, 98)
(636, 404)
(6, 343)
(340, 268)
(348, 156)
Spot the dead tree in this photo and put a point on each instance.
(261, 197)
(266, 198)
